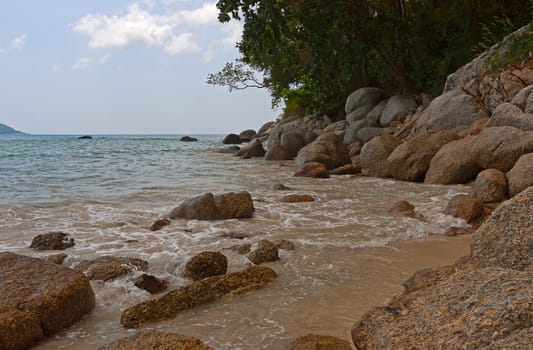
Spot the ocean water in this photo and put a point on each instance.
(106, 192)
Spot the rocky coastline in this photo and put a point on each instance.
(479, 132)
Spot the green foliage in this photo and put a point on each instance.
(520, 48)
(314, 53)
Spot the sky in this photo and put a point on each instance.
(121, 67)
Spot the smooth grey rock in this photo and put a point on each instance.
(396, 109)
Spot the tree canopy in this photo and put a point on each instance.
(317, 52)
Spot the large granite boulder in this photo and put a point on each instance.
(318, 342)
(520, 176)
(106, 268)
(454, 110)
(198, 293)
(313, 169)
(522, 97)
(508, 114)
(375, 153)
(410, 160)
(351, 134)
(506, 238)
(247, 135)
(232, 139)
(490, 186)
(369, 132)
(361, 102)
(292, 140)
(277, 152)
(52, 241)
(156, 340)
(253, 149)
(206, 264)
(396, 109)
(39, 299)
(461, 160)
(327, 149)
(374, 115)
(466, 207)
(209, 207)
(471, 309)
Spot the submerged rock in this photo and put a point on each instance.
(318, 342)
(151, 284)
(39, 299)
(188, 139)
(313, 169)
(284, 244)
(206, 264)
(156, 340)
(209, 207)
(52, 241)
(159, 224)
(297, 198)
(198, 293)
(85, 137)
(404, 208)
(106, 268)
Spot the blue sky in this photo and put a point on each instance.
(100, 66)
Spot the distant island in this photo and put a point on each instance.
(4, 130)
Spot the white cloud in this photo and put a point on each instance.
(56, 67)
(19, 42)
(174, 29)
(82, 63)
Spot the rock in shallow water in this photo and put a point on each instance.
(318, 342)
(206, 264)
(209, 207)
(39, 299)
(156, 340)
(109, 267)
(198, 293)
(52, 241)
(265, 252)
(151, 284)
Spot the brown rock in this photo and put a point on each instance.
(52, 296)
(247, 135)
(495, 147)
(327, 149)
(520, 176)
(52, 241)
(410, 160)
(313, 169)
(347, 169)
(151, 284)
(156, 340)
(318, 342)
(253, 149)
(56, 258)
(458, 231)
(471, 309)
(206, 264)
(198, 293)
(265, 252)
(355, 148)
(403, 208)
(106, 268)
(427, 277)
(374, 156)
(18, 329)
(222, 207)
(159, 224)
(277, 152)
(506, 237)
(478, 126)
(466, 207)
(490, 186)
(291, 139)
(508, 114)
(297, 198)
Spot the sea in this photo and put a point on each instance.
(106, 192)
